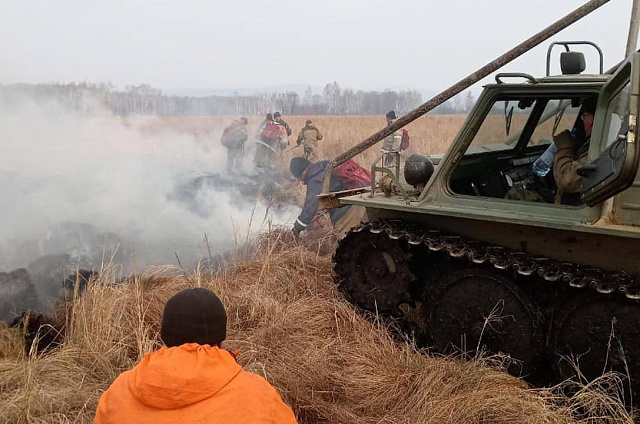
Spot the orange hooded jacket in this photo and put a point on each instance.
(191, 383)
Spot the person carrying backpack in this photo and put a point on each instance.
(278, 120)
(394, 142)
(309, 136)
(342, 178)
(233, 138)
(267, 141)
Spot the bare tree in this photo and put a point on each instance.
(144, 99)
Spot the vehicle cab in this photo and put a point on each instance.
(492, 169)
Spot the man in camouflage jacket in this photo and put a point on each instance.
(309, 136)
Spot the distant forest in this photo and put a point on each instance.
(146, 100)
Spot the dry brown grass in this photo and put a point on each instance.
(327, 361)
(429, 134)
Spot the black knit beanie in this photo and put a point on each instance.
(194, 316)
(391, 115)
(298, 165)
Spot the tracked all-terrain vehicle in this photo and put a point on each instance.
(482, 248)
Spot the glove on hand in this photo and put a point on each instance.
(564, 140)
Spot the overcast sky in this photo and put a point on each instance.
(372, 44)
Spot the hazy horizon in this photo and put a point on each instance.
(182, 47)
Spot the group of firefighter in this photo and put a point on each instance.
(272, 139)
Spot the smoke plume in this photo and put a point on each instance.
(83, 184)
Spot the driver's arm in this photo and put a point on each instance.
(566, 164)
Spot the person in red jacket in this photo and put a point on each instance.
(192, 379)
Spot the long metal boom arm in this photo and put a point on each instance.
(463, 84)
(632, 40)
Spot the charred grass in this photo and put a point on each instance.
(329, 363)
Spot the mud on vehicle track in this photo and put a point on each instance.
(546, 313)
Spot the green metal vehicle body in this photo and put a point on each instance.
(604, 235)
(459, 246)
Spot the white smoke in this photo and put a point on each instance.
(60, 169)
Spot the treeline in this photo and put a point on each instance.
(146, 100)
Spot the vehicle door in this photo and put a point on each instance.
(615, 133)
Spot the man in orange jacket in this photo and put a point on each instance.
(192, 379)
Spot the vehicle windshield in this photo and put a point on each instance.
(502, 159)
(504, 125)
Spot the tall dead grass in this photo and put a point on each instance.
(429, 135)
(329, 363)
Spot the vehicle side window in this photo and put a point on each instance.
(617, 120)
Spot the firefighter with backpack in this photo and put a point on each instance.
(309, 136)
(394, 142)
(277, 117)
(233, 138)
(270, 138)
(346, 176)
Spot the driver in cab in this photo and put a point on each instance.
(572, 149)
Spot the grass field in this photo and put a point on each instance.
(328, 362)
(429, 134)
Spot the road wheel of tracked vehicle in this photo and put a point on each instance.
(599, 333)
(373, 270)
(478, 309)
